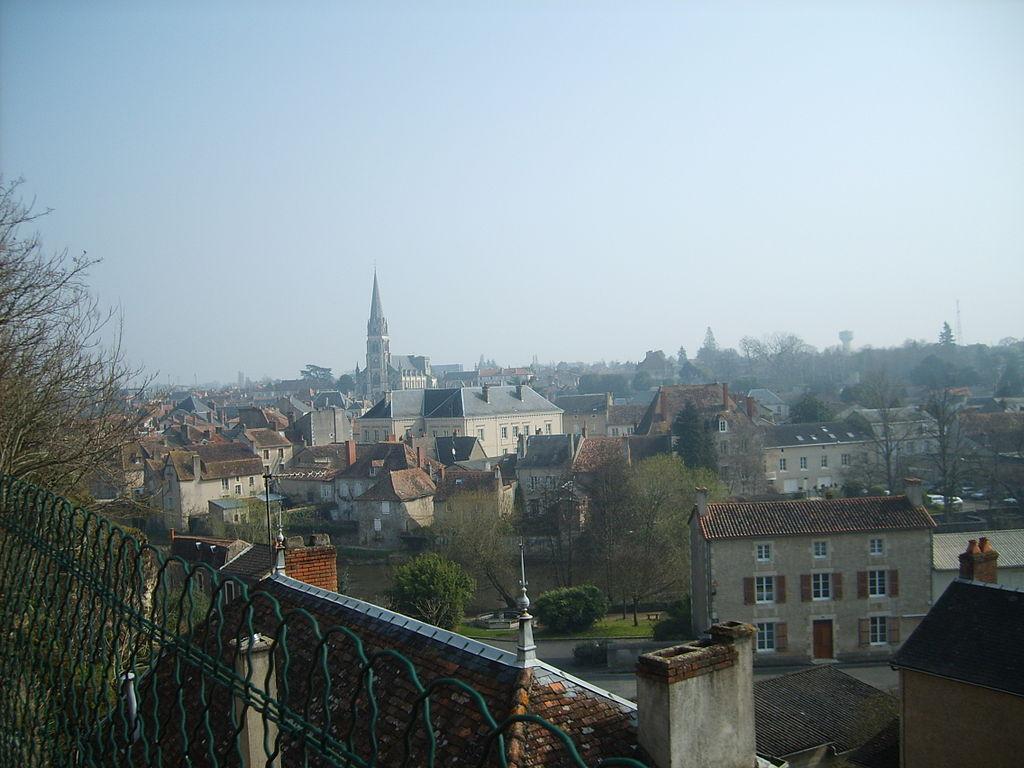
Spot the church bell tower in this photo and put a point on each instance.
(378, 347)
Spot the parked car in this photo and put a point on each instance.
(979, 495)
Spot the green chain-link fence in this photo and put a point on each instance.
(111, 654)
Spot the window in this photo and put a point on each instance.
(723, 425)
(723, 448)
(280, 453)
(764, 553)
(879, 630)
(224, 484)
(821, 586)
(824, 461)
(766, 636)
(821, 549)
(533, 482)
(547, 427)
(238, 490)
(844, 459)
(266, 454)
(366, 435)
(764, 589)
(803, 462)
(376, 436)
(480, 433)
(876, 584)
(876, 547)
(782, 464)
(515, 430)
(252, 481)
(504, 433)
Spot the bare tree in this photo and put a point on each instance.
(950, 443)
(63, 372)
(882, 395)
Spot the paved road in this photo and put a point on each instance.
(558, 653)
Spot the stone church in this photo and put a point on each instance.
(384, 371)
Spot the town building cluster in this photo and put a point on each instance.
(792, 568)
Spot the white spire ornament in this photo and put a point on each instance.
(526, 649)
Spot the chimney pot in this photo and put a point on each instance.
(980, 561)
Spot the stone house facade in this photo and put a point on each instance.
(496, 416)
(821, 579)
(812, 457)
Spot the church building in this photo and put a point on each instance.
(385, 372)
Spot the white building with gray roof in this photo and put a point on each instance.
(496, 416)
(946, 549)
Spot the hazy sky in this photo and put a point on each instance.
(572, 180)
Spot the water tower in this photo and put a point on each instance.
(846, 337)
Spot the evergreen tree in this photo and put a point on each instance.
(694, 443)
(809, 409)
(709, 341)
(946, 336)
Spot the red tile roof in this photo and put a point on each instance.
(217, 461)
(671, 399)
(737, 520)
(597, 452)
(400, 485)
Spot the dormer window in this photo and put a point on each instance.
(723, 425)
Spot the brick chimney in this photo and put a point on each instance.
(350, 449)
(695, 702)
(912, 489)
(979, 562)
(315, 563)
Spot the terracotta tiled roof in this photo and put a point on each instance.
(400, 485)
(600, 724)
(598, 452)
(267, 438)
(218, 461)
(671, 399)
(464, 481)
(736, 520)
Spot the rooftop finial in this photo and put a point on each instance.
(526, 649)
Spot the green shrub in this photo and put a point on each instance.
(591, 654)
(676, 625)
(571, 609)
(431, 588)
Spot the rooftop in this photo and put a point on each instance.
(946, 548)
(825, 433)
(747, 519)
(974, 634)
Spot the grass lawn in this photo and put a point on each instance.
(611, 625)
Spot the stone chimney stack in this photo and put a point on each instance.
(522, 445)
(519, 391)
(485, 390)
(912, 489)
(350, 450)
(701, 497)
(979, 562)
(197, 465)
(695, 702)
(419, 457)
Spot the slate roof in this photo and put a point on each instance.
(451, 450)
(400, 485)
(464, 481)
(599, 723)
(546, 451)
(578, 405)
(217, 461)
(946, 548)
(818, 706)
(252, 564)
(462, 402)
(813, 433)
(802, 517)
(331, 399)
(974, 633)
(192, 404)
(766, 396)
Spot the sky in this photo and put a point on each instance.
(565, 180)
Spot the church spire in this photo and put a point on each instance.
(376, 308)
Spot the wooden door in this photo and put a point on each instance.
(822, 633)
